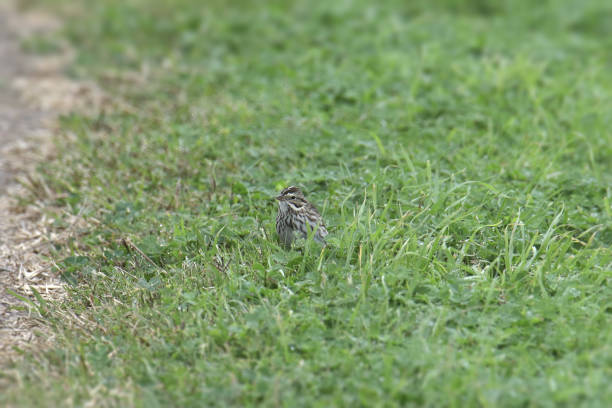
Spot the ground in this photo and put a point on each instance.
(459, 152)
(27, 123)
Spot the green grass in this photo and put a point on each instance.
(460, 152)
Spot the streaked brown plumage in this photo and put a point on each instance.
(296, 216)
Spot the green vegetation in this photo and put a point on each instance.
(460, 153)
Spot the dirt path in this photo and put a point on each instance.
(17, 121)
(25, 131)
(33, 93)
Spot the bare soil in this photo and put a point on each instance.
(34, 92)
(26, 128)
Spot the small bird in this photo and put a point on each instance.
(297, 215)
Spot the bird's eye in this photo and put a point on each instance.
(292, 196)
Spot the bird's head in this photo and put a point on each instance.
(291, 195)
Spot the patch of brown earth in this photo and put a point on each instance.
(33, 93)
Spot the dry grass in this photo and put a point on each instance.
(26, 230)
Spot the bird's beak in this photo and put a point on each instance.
(278, 197)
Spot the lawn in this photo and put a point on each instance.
(459, 151)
